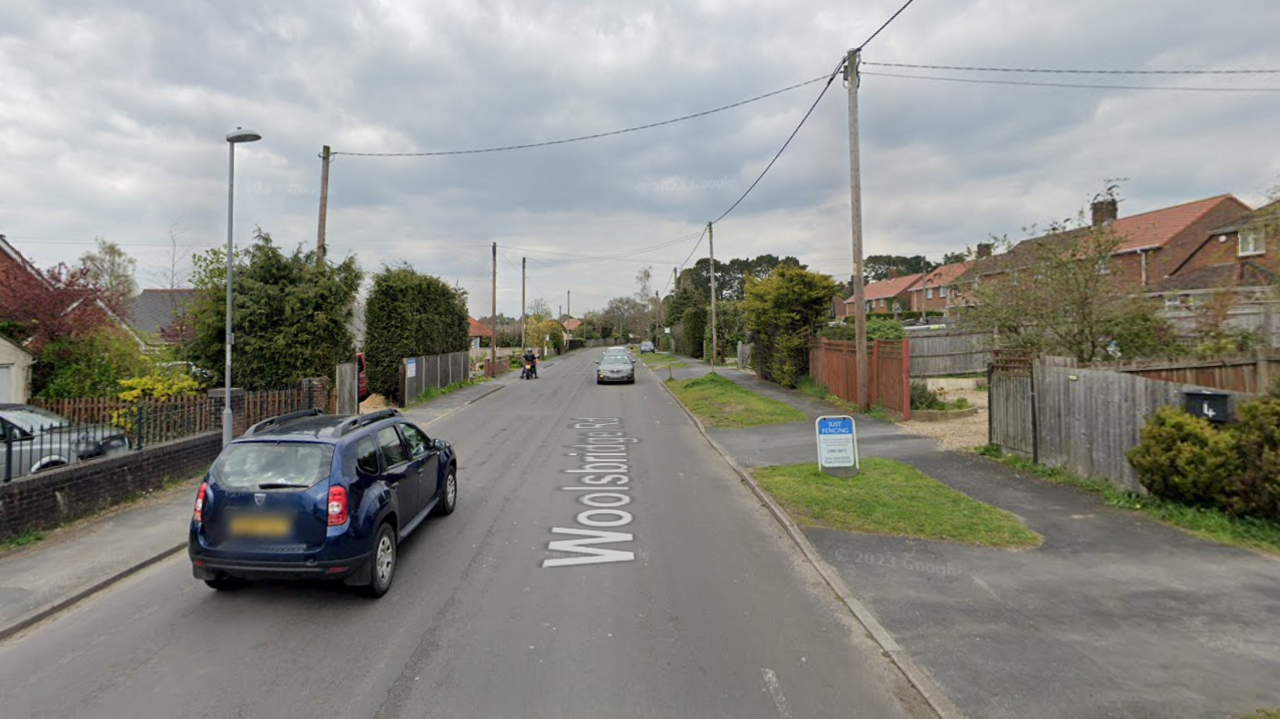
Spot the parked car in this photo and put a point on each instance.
(314, 496)
(364, 377)
(647, 346)
(615, 368)
(35, 439)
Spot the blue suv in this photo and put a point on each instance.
(314, 496)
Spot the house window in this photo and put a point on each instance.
(942, 292)
(928, 293)
(1251, 242)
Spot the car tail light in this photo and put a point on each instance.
(337, 506)
(198, 516)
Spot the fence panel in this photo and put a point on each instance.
(835, 365)
(1011, 422)
(1249, 375)
(744, 354)
(348, 388)
(893, 385)
(437, 371)
(948, 353)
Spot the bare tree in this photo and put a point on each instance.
(111, 269)
(540, 307)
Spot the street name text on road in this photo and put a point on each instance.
(604, 488)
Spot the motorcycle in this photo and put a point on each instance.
(529, 371)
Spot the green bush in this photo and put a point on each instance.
(1258, 441)
(88, 365)
(695, 321)
(878, 328)
(1184, 459)
(924, 398)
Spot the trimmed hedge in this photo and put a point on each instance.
(409, 314)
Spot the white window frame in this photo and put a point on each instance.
(942, 292)
(1255, 240)
(928, 293)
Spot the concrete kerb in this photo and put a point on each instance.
(919, 678)
(64, 604)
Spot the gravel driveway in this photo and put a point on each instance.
(957, 434)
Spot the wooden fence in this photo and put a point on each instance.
(744, 354)
(1250, 375)
(942, 353)
(418, 374)
(1083, 419)
(834, 364)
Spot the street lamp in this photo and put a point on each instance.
(233, 138)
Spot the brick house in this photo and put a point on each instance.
(477, 332)
(1241, 257)
(934, 292)
(884, 297)
(1152, 244)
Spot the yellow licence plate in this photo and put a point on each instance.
(254, 525)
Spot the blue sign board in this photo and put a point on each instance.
(837, 445)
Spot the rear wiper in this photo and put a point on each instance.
(281, 485)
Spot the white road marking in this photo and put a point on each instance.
(775, 690)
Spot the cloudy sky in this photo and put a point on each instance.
(113, 116)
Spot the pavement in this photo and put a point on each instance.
(1115, 615)
(75, 562)
(695, 604)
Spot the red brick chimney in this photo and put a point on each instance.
(1105, 211)
(893, 274)
(984, 250)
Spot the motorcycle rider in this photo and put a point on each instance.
(532, 360)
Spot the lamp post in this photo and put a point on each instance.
(233, 138)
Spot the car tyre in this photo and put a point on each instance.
(383, 571)
(223, 583)
(449, 501)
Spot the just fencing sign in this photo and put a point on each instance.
(837, 445)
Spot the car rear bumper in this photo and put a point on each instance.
(204, 566)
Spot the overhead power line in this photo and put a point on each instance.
(596, 136)
(969, 68)
(782, 149)
(976, 81)
(885, 25)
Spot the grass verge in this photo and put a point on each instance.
(662, 359)
(1263, 714)
(719, 402)
(1244, 533)
(438, 392)
(815, 389)
(27, 538)
(889, 497)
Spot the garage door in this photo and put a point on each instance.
(6, 384)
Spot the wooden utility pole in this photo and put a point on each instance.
(711, 245)
(325, 156)
(568, 302)
(524, 266)
(855, 195)
(493, 320)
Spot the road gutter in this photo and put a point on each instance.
(915, 674)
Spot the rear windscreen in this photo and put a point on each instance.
(280, 465)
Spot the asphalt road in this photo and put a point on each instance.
(705, 609)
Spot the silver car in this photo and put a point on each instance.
(35, 439)
(616, 368)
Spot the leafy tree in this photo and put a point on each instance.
(954, 258)
(111, 269)
(1058, 295)
(410, 315)
(89, 364)
(58, 303)
(877, 268)
(695, 329)
(290, 316)
(731, 276)
(782, 313)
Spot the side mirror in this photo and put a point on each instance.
(597, 361)
(437, 444)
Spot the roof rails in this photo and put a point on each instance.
(363, 420)
(281, 420)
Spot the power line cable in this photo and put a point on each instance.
(976, 81)
(782, 149)
(885, 25)
(686, 260)
(596, 136)
(968, 68)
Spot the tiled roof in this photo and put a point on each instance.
(889, 288)
(1214, 277)
(572, 324)
(154, 310)
(1158, 227)
(1272, 209)
(944, 275)
(477, 329)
